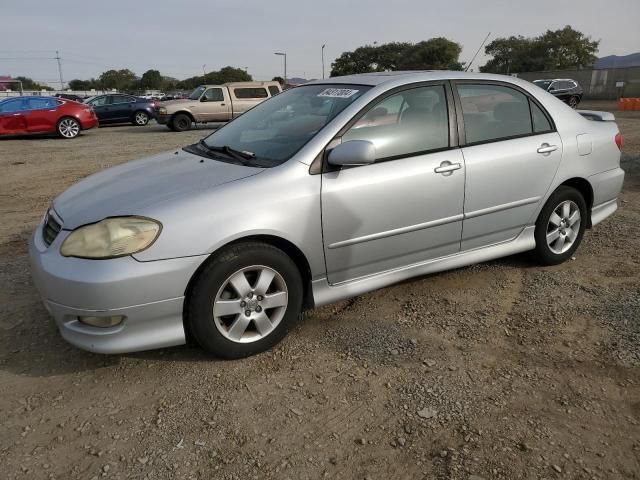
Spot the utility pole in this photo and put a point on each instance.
(60, 70)
(283, 54)
(323, 60)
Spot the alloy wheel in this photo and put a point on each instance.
(250, 304)
(69, 128)
(142, 118)
(563, 227)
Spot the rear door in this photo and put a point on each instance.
(41, 116)
(12, 116)
(405, 208)
(511, 152)
(120, 108)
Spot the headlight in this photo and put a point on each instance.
(112, 237)
(162, 111)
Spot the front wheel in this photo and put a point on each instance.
(245, 300)
(68, 127)
(574, 101)
(560, 226)
(181, 122)
(141, 118)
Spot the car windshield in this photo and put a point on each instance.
(544, 84)
(197, 93)
(273, 131)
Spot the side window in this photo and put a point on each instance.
(99, 101)
(12, 106)
(214, 95)
(409, 122)
(540, 121)
(120, 99)
(250, 93)
(273, 90)
(493, 112)
(42, 103)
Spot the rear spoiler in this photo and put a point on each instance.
(597, 116)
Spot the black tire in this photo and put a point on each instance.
(212, 279)
(181, 122)
(68, 128)
(574, 101)
(140, 118)
(544, 253)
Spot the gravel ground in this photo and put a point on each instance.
(503, 370)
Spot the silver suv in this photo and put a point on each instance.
(324, 192)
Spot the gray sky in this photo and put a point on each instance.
(178, 37)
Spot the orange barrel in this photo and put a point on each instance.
(636, 104)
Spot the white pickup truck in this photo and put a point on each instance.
(214, 103)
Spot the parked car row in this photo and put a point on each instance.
(207, 103)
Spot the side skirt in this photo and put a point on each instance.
(324, 293)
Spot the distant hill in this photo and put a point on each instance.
(618, 61)
(297, 81)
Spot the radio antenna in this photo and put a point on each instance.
(478, 51)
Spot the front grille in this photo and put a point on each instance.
(51, 228)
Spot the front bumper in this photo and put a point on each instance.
(149, 294)
(163, 119)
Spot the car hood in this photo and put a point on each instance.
(128, 188)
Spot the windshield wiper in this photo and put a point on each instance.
(232, 152)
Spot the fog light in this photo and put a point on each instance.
(102, 322)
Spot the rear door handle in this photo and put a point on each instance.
(546, 149)
(446, 168)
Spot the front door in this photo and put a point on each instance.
(511, 156)
(213, 107)
(406, 207)
(41, 116)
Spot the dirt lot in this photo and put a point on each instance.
(502, 370)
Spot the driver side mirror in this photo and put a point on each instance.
(353, 152)
(203, 99)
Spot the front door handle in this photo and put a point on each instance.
(446, 168)
(546, 149)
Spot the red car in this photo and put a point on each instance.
(20, 115)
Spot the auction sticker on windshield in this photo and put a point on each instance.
(338, 92)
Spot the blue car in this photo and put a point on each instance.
(121, 108)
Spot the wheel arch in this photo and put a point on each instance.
(186, 112)
(585, 189)
(281, 243)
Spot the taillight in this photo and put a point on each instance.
(619, 140)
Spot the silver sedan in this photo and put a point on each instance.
(326, 191)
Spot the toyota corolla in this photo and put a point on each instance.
(323, 192)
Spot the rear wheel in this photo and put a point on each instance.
(560, 226)
(574, 101)
(245, 300)
(68, 127)
(181, 122)
(141, 118)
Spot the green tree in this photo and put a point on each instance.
(151, 79)
(435, 53)
(123, 79)
(280, 80)
(216, 77)
(554, 50)
(28, 84)
(77, 84)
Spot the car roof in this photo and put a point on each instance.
(379, 78)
